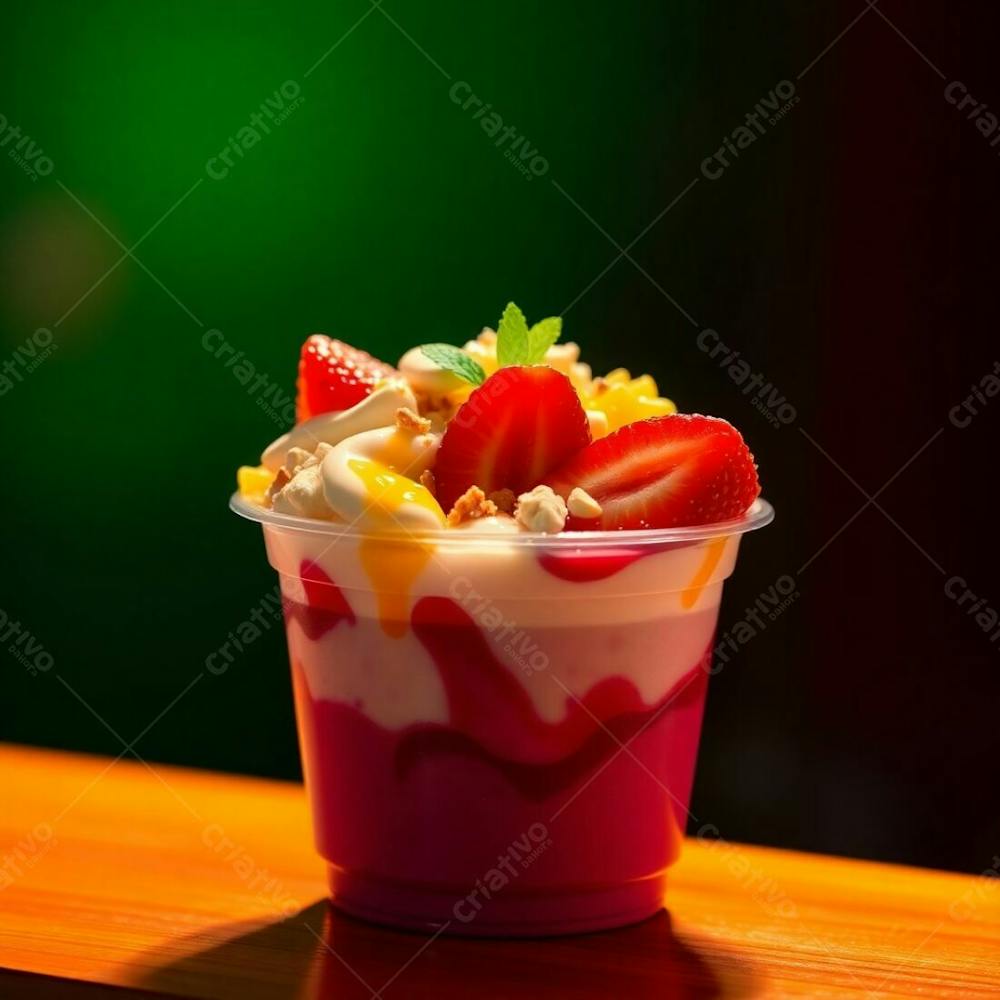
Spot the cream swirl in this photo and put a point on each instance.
(375, 410)
(371, 479)
(426, 376)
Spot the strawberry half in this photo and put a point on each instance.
(519, 425)
(665, 472)
(334, 376)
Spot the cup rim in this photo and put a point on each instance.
(760, 514)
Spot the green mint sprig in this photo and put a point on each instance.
(455, 360)
(517, 344)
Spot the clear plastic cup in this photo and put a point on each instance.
(499, 732)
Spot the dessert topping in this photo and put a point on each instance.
(469, 429)
(254, 481)
(664, 472)
(514, 429)
(368, 478)
(541, 510)
(505, 500)
(581, 504)
(334, 376)
(623, 399)
(303, 495)
(295, 458)
(471, 505)
(407, 420)
(375, 410)
(283, 476)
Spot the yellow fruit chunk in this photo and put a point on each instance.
(620, 376)
(598, 421)
(484, 350)
(624, 399)
(253, 481)
(644, 385)
(654, 406)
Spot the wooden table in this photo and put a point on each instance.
(119, 879)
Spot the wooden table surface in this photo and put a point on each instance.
(120, 878)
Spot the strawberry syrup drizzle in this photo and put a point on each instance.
(537, 781)
(326, 605)
(586, 567)
(493, 718)
(491, 715)
(487, 701)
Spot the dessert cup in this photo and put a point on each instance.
(498, 731)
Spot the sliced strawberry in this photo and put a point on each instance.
(334, 376)
(519, 425)
(664, 472)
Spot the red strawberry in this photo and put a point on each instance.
(664, 472)
(334, 376)
(519, 425)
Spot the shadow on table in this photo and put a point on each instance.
(320, 953)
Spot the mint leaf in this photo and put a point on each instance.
(542, 336)
(517, 345)
(456, 361)
(513, 337)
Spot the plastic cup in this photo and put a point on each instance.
(498, 732)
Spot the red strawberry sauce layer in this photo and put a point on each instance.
(412, 820)
(590, 564)
(325, 607)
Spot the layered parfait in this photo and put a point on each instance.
(501, 577)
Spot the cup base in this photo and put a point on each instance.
(541, 913)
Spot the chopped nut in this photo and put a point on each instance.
(295, 459)
(505, 500)
(438, 409)
(303, 495)
(541, 510)
(278, 483)
(470, 505)
(299, 458)
(407, 420)
(487, 336)
(427, 481)
(581, 504)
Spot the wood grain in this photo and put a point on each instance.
(176, 882)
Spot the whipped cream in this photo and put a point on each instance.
(371, 479)
(494, 524)
(376, 410)
(426, 376)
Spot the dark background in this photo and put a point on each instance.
(849, 254)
